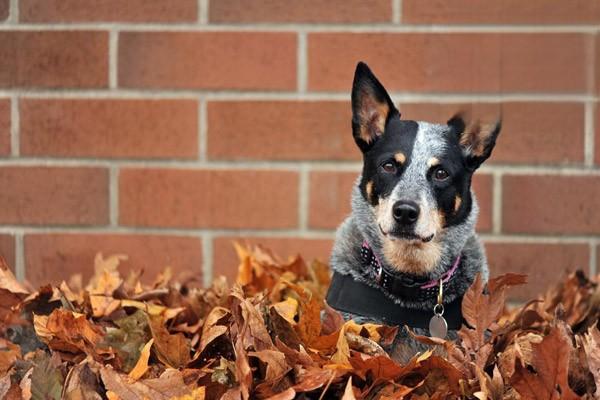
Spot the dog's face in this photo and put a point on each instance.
(416, 176)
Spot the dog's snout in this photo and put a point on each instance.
(405, 212)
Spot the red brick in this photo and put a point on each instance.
(329, 201)
(108, 11)
(284, 130)
(301, 11)
(50, 258)
(208, 198)
(4, 127)
(483, 187)
(49, 59)
(53, 196)
(7, 249)
(4, 9)
(545, 264)
(451, 62)
(597, 141)
(225, 261)
(109, 128)
(500, 12)
(208, 60)
(532, 133)
(330, 194)
(549, 204)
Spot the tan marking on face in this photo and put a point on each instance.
(400, 158)
(369, 189)
(457, 203)
(411, 256)
(433, 161)
(417, 257)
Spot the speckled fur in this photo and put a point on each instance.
(346, 259)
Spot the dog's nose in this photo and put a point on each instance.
(405, 212)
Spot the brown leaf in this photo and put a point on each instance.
(9, 353)
(81, 384)
(170, 384)
(551, 361)
(275, 361)
(591, 345)
(68, 331)
(171, 350)
(142, 364)
(348, 391)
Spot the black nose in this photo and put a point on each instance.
(405, 212)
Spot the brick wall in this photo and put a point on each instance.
(164, 129)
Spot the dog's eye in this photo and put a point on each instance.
(389, 167)
(441, 174)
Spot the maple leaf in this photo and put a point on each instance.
(551, 360)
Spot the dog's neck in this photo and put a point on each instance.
(460, 239)
(451, 241)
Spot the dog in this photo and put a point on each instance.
(408, 251)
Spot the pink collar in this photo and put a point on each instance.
(427, 285)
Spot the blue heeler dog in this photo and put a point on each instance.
(408, 251)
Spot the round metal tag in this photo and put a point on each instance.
(438, 327)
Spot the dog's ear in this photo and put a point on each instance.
(476, 140)
(371, 107)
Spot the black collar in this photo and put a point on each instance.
(348, 295)
(405, 286)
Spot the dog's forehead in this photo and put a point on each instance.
(416, 141)
(430, 142)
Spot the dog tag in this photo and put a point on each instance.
(438, 327)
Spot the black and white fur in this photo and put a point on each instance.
(401, 163)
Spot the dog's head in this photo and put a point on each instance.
(416, 176)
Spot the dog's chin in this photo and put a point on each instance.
(411, 253)
(406, 236)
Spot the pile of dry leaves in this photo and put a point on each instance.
(272, 336)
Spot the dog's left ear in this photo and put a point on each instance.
(371, 107)
(476, 140)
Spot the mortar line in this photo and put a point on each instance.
(303, 198)
(238, 95)
(203, 12)
(396, 11)
(302, 62)
(202, 130)
(594, 257)
(307, 27)
(497, 202)
(207, 258)
(589, 132)
(278, 233)
(13, 12)
(113, 195)
(15, 125)
(20, 272)
(113, 55)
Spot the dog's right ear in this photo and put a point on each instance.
(371, 107)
